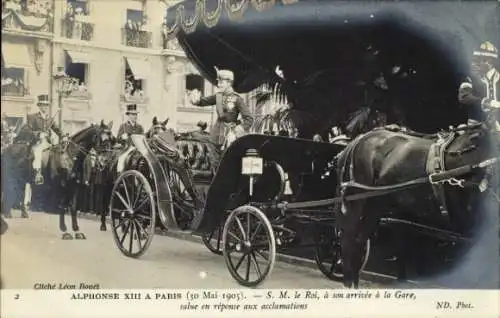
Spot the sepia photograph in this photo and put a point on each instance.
(247, 145)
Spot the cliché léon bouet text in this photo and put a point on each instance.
(51, 286)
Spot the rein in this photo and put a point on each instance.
(376, 191)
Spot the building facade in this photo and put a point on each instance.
(115, 52)
(27, 33)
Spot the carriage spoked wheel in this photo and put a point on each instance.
(328, 255)
(213, 240)
(247, 235)
(133, 213)
(183, 202)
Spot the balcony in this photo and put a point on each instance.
(14, 90)
(136, 38)
(137, 98)
(27, 15)
(77, 29)
(172, 45)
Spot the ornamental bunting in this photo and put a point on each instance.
(190, 12)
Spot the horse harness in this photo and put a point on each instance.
(436, 164)
(435, 167)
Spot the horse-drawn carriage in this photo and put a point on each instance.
(269, 191)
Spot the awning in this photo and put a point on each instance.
(79, 57)
(140, 68)
(14, 54)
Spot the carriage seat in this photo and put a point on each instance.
(196, 153)
(165, 144)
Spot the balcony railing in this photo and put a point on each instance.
(30, 16)
(14, 90)
(136, 98)
(172, 44)
(78, 94)
(136, 38)
(77, 30)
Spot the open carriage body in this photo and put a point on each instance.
(246, 190)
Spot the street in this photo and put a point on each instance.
(32, 252)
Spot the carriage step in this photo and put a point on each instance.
(180, 232)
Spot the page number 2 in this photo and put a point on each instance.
(16, 296)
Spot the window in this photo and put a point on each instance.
(13, 121)
(75, 24)
(13, 82)
(134, 19)
(79, 72)
(194, 84)
(134, 88)
(77, 7)
(194, 81)
(133, 32)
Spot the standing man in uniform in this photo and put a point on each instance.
(128, 128)
(481, 94)
(228, 106)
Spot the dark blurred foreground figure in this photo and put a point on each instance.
(4, 226)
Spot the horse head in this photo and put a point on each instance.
(104, 139)
(157, 127)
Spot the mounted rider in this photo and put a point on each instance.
(229, 105)
(42, 126)
(481, 94)
(128, 128)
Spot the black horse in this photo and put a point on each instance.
(65, 181)
(383, 158)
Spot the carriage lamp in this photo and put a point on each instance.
(252, 165)
(64, 86)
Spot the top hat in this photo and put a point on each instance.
(131, 109)
(202, 125)
(225, 75)
(43, 100)
(486, 50)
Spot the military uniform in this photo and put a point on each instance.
(228, 107)
(482, 94)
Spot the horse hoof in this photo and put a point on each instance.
(103, 228)
(67, 236)
(80, 236)
(25, 215)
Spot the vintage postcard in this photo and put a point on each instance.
(223, 158)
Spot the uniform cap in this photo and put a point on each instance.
(225, 75)
(486, 49)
